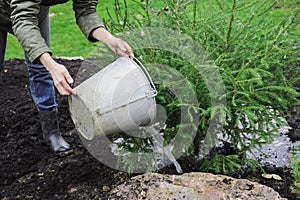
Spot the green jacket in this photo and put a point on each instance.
(21, 17)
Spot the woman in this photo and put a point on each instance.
(29, 22)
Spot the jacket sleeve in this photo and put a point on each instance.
(25, 26)
(86, 17)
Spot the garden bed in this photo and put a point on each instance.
(30, 170)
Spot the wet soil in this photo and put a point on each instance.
(30, 170)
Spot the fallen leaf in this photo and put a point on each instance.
(105, 188)
(274, 176)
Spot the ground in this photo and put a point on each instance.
(30, 170)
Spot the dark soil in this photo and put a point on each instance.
(30, 170)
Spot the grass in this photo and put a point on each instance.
(67, 39)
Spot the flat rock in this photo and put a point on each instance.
(192, 186)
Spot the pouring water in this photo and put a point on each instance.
(161, 151)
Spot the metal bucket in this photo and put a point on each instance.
(119, 98)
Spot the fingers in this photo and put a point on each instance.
(64, 88)
(65, 83)
(127, 50)
(68, 77)
(130, 53)
(67, 88)
(62, 79)
(127, 47)
(121, 47)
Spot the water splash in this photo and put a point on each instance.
(161, 151)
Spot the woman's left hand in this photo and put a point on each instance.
(115, 44)
(119, 46)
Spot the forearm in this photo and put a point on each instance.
(48, 62)
(101, 34)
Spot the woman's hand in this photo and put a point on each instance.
(62, 79)
(59, 73)
(115, 44)
(119, 46)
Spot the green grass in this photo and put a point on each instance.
(67, 39)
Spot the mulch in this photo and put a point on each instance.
(30, 170)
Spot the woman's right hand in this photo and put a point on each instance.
(59, 73)
(62, 79)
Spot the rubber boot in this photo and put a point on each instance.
(51, 133)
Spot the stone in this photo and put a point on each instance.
(192, 186)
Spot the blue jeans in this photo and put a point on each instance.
(41, 83)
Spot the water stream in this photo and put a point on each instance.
(161, 151)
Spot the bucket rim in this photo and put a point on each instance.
(77, 124)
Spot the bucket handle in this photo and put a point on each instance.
(151, 93)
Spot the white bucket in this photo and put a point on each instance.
(119, 98)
